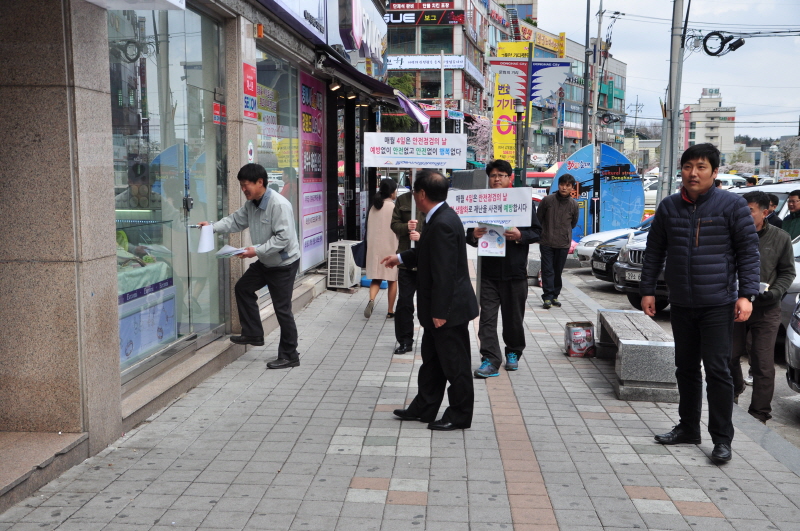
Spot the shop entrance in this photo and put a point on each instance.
(168, 120)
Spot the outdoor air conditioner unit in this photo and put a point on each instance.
(342, 270)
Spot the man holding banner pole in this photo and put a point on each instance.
(504, 284)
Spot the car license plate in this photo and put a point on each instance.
(599, 265)
(633, 275)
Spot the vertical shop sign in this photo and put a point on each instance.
(312, 203)
(250, 104)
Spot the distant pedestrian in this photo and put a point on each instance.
(791, 223)
(718, 184)
(709, 242)
(406, 276)
(504, 284)
(773, 217)
(558, 214)
(446, 304)
(750, 181)
(269, 217)
(380, 242)
(777, 272)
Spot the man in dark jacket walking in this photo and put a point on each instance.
(777, 273)
(558, 214)
(504, 285)
(773, 217)
(709, 241)
(406, 276)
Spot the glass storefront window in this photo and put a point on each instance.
(434, 39)
(431, 81)
(402, 41)
(169, 173)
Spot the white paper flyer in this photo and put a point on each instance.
(493, 243)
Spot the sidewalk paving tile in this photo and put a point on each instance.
(317, 447)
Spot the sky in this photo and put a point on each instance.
(761, 79)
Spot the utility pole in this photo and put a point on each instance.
(668, 166)
(444, 111)
(587, 52)
(637, 108)
(596, 147)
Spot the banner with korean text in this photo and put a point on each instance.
(312, 193)
(509, 207)
(415, 150)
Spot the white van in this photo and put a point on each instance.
(731, 181)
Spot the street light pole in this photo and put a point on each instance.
(519, 109)
(587, 52)
(596, 148)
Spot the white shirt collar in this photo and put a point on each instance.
(431, 211)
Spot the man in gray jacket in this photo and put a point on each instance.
(777, 272)
(558, 214)
(269, 217)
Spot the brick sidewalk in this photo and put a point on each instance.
(317, 448)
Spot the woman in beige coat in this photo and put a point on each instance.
(381, 242)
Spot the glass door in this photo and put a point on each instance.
(169, 173)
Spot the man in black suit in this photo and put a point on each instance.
(446, 304)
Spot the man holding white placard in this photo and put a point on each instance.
(504, 282)
(269, 217)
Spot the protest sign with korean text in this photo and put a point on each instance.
(415, 150)
(508, 207)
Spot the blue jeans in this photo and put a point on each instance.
(553, 261)
(704, 334)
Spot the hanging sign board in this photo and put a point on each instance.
(415, 150)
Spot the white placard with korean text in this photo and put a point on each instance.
(415, 150)
(508, 207)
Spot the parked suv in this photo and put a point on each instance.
(628, 273)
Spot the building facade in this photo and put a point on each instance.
(133, 125)
(708, 121)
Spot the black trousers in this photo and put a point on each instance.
(445, 358)
(280, 281)
(510, 298)
(553, 261)
(763, 328)
(404, 309)
(704, 335)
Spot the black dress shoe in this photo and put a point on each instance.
(443, 425)
(282, 363)
(403, 348)
(403, 414)
(678, 435)
(721, 453)
(256, 341)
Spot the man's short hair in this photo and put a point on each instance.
(759, 198)
(252, 173)
(567, 179)
(751, 180)
(717, 183)
(702, 151)
(773, 199)
(434, 184)
(499, 164)
(795, 193)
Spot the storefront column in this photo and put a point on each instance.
(331, 167)
(351, 214)
(240, 48)
(59, 355)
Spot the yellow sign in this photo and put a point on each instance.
(512, 49)
(562, 44)
(547, 42)
(287, 153)
(504, 131)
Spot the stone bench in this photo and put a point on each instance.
(645, 355)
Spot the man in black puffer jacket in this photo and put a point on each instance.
(709, 242)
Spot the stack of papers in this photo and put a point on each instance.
(227, 251)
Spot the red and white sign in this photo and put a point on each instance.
(423, 5)
(217, 116)
(250, 101)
